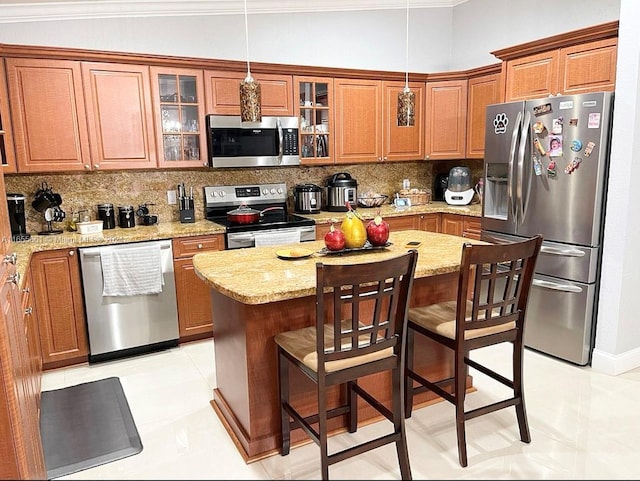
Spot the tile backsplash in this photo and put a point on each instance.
(85, 190)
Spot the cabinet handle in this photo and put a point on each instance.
(10, 258)
(426, 157)
(87, 167)
(96, 166)
(26, 290)
(28, 311)
(199, 246)
(385, 158)
(15, 278)
(71, 253)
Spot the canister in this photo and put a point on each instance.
(126, 215)
(107, 215)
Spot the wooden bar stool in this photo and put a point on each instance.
(360, 329)
(493, 288)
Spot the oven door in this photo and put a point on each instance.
(281, 236)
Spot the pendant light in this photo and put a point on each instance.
(250, 109)
(406, 98)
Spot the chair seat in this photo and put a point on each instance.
(301, 344)
(441, 319)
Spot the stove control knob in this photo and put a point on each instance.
(221, 194)
(265, 191)
(280, 190)
(273, 191)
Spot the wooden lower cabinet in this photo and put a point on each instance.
(57, 290)
(33, 338)
(195, 317)
(461, 225)
(429, 222)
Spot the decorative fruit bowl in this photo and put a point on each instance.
(373, 200)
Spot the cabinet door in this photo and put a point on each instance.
(404, 222)
(446, 108)
(471, 227)
(33, 337)
(313, 98)
(588, 67)
(48, 115)
(57, 290)
(7, 153)
(430, 222)
(119, 116)
(178, 96)
(483, 91)
(222, 91)
(452, 224)
(533, 76)
(402, 143)
(195, 315)
(358, 113)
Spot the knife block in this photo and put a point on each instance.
(187, 216)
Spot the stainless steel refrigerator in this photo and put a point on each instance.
(545, 172)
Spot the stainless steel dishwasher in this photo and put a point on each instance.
(123, 325)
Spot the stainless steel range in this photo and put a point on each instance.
(271, 227)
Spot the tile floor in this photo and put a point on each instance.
(584, 425)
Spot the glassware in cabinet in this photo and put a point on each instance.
(314, 105)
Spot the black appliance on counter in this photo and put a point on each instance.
(273, 225)
(440, 186)
(17, 218)
(341, 188)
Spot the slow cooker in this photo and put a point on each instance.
(341, 187)
(307, 198)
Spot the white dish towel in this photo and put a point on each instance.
(131, 271)
(276, 239)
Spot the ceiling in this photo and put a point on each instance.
(38, 10)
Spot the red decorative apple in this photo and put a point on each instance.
(334, 239)
(377, 231)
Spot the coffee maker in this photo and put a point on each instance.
(17, 217)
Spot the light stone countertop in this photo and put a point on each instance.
(259, 276)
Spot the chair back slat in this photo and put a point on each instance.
(369, 305)
(494, 284)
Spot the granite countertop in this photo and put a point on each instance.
(389, 210)
(259, 276)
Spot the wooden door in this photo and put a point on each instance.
(222, 92)
(482, 91)
(430, 222)
(48, 115)
(119, 116)
(532, 77)
(21, 455)
(589, 67)
(402, 143)
(452, 224)
(59, 302)
(313, 103)
(7, 152)
(404, 222)
(358, 115)
(446, 114)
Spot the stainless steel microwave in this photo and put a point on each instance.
(270, 143)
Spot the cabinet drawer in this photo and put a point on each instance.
(188, 246)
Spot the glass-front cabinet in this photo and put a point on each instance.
(314, 104)
(180, 125)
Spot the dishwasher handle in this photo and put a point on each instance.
(97, 254)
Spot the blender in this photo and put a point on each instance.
(459, 189)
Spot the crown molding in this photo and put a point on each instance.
(17, 11)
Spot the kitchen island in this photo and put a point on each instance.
(255, 295)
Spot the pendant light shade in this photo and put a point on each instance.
(250, 99)
(406, 98)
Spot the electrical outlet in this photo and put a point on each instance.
(172, 197)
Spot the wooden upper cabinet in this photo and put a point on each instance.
(48, 115)
(222, 92)
(532, 77)
(358, 114)
(119, 116)
(482, 91)
(589, 67)
(446, 118)
(402, 143)
(7, 153)
(178, 98)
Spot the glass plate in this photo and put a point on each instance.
(365, 248)
(295, 253)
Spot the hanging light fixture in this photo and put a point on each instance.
(250, 109)
(406, 98)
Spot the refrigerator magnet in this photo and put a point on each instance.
(576, 145)
(551, 169)
(589, 148)
(573, 122)
(537, 165)
(594, 120)
(557, 126)
(538, 127)
(555, 145)
(539, 146)
(573, 165)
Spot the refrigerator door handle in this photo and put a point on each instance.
(562, 252)
(555, 286)
(524, 138)
(512, 166)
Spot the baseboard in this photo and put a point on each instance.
(614, 364)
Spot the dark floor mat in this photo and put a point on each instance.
(86, 425)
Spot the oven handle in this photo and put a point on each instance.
(249, 236)
(280, 140)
